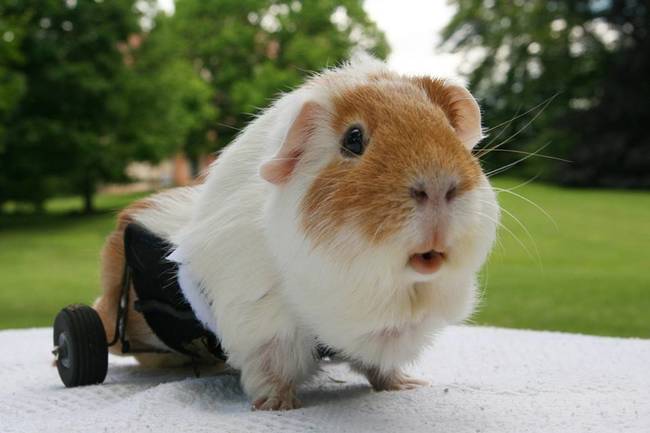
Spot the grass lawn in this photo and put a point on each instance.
(590, 274)
(50, 261)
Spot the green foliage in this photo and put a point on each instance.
(166, 99)
(62, 133)
(85, 88)
(588, 57)
(12, 83)
(250, 50)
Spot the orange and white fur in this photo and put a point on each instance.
(292, 240)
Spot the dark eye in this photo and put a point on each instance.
(353, 141)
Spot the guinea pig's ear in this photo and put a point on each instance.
(279, 168)
(459, 106)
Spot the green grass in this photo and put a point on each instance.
(49, 261)
(588, 273)
(591, 274)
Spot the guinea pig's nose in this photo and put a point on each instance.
(421, 192)
(418, 193)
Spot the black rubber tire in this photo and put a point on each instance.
(82, 348)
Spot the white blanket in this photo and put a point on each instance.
(482, 380)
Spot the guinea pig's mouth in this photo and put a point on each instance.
(427, 262)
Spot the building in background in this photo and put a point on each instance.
(172, 172)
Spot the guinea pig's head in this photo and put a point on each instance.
(379, 165)
(378, 213)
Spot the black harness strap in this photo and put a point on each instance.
(160, 299)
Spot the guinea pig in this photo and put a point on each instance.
(350, 214)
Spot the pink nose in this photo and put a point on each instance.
(422, 192)
(427, 263)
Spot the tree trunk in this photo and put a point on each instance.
(88, 195)
(39, 206)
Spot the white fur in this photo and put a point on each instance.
(273, 293)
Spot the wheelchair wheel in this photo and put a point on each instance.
(80, 346)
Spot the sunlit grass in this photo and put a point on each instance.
(49, 261)
(588, 271)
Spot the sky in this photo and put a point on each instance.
(412, 28)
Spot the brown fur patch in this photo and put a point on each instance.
(409, 137)
(438, 93)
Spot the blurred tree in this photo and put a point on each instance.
(590, 56)
(95, 97)
(12, 83)
(93, 85)
(167, 99)
(62, 132)
(249, 50)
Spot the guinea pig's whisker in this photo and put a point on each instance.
(309, 72)
(225, 125)
(519, 161)
(527, 200)
(517, 116)
(499, 243)
(539, 155)
(532, 203)
(487, 149)
(519, 185)
(522, 184)
(524, 228)
(515, 237)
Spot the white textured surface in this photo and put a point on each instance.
(482, 380)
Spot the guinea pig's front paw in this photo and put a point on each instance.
(394, 381)
(285, 400)
(401, 383)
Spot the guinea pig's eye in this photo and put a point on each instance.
(353, 143)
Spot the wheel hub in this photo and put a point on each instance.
(61, 352)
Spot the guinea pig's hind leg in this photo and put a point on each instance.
(271, 375)
(395, 380)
